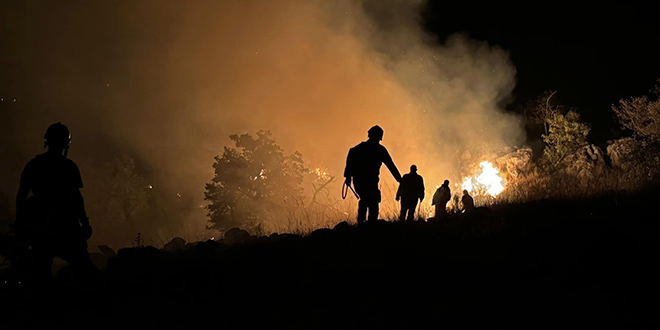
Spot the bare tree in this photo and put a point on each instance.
(544, 109)
(641, 115)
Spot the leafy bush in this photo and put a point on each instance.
(254, 183)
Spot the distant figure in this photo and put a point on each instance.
(411, 190)
(52, 221)
(468, 203)
(363, 169)
(440, 199)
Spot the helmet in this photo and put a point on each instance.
(375, 133)
(57, 135)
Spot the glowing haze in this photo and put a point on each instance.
(170, 80)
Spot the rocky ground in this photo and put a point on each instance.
(543, 264)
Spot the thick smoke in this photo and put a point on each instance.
(168, 81)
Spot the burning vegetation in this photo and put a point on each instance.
(300, 199)
(487, 182)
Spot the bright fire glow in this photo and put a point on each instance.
(321, 174)
(488, 182)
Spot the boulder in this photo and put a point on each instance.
(107, 251)
(175, 244)
(207, 245)
(322, 232)
(515, 163)
(588, 162)
(236, 236)
(341, 226)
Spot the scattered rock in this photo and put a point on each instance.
(175, 244)
(588, 162)
(291, 237)
(322, 232)
(208, 246)
(107, 251)
(515, 163)
(141, 252)
(341, 226)
(236, 236)
(126, 253)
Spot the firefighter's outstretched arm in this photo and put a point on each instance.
(390, 165)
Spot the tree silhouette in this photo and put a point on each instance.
(253, 182)
(544, 108)
(118, 203)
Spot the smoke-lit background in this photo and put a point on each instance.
(151, 91)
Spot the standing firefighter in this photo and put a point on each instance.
(52, 221)
(363, 169)
(440, 199)
(411, 190)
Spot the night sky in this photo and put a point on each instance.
(592, 55)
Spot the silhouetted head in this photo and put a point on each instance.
(465, 192)
(413, 168)
(446, 183)
(57, 137)
(375, 133)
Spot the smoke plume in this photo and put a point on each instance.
(168, 81)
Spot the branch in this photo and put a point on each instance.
(547, 102)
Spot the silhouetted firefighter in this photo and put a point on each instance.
(411, 191)
(440, 199)
(468, 203)
(52, 221)
(363, 170)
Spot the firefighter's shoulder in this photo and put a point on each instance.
(360, 146)
(381, 148)
(37, 161)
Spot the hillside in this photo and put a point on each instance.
(590, 262)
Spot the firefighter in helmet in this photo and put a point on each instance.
(52, 221)
(363, 170)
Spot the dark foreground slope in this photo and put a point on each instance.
(550, 263)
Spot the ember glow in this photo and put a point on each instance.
(321, 174)
(488, 182)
